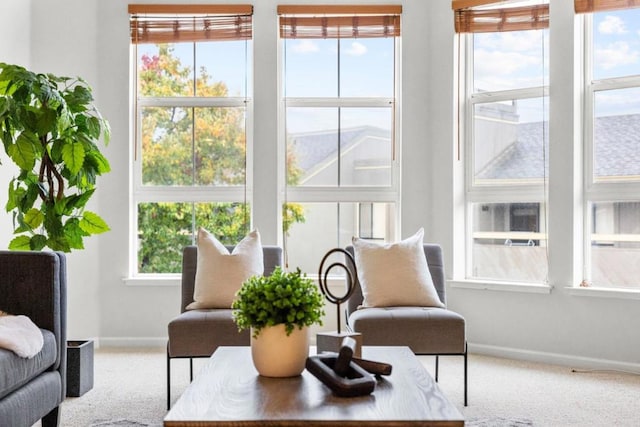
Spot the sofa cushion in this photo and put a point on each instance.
(199, 332)
(17, 371)
(426, 330)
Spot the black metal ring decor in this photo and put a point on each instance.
(351, 279)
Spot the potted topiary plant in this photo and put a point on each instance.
(50, 130)
(279, 309)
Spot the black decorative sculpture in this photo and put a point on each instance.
(351, 281)
(333, 341)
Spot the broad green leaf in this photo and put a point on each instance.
(74, 233)
(73, 156)
(93, 127)
(77, 201)
(92, 223)
(23, 153)
(46, 121)
(20, 243)
(59, 243)
(33, 218)
(100, 162)
(38, 242)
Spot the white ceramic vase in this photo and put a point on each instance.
(276, 354)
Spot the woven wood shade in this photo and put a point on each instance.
(503, 19)
(189, 23)
(339, 21)
(586, 6)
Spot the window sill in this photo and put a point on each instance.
(153, 280)
(627, 294)
(484, 285)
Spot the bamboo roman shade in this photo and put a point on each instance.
(158, 23)
(484, 16)
(586, 6)
(339, 21)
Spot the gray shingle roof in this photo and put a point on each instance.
(617, 148)
(314, 148)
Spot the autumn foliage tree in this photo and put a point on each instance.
(190, 146)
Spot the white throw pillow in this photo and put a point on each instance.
(395, 274)
(219, 274)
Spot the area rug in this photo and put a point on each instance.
(122, 423)
(498, 422)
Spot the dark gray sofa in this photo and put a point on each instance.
(34, 284)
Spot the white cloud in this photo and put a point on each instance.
(356, 49)
(612, 25)
(505, 70)
(305, 46)
(616, 54)
(511, 41)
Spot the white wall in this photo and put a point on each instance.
(556, 326)
(14, 49)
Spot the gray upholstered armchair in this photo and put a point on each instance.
(198, 333)
(425, 330)
(34, 284)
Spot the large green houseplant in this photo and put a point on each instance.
(50, 129)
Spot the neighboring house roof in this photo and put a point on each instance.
(316, 150)
(617, 148)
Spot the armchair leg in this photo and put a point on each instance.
(191, 369)
(52, 419)
(168, 380)
(465, 374)
(437, 360)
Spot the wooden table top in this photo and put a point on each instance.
(229, 392)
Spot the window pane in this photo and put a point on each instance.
(170, 156)
(510, 141)
(509, 242)
(220, 150)
(616, 45)
(332, 225)
(615, 244)
(164, 229)
(165, 70)
(310, 67)
(510, 60)
(617, 134)
(227, 77)
(367, 67)
(167, 146)
(339, 146)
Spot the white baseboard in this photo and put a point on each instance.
(132, 342)
(577, 362)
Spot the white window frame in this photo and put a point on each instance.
(531, 191)
(599, 191)
(343, 194)
(188, 194)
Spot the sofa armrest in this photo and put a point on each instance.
(34, 284)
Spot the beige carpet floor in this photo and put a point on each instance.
(130, 386)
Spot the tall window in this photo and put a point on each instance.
(612, 135)
(505, 137)
(339, 75)
(191, 104)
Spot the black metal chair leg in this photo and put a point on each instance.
(437, 360)
(465, 374)
(190, 369)
(168, 381)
